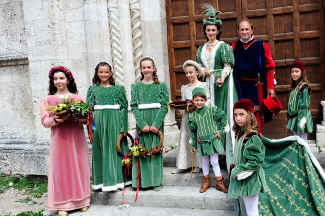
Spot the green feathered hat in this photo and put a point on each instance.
(198, 90)
(212, 15)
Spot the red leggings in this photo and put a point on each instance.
(259, 120)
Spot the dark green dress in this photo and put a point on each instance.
(299, 116)
(203, 124)
(223, 96)
(145, 96)
(107, 172)
(248, 157)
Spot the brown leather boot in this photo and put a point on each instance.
(205, 184)
(220, 185)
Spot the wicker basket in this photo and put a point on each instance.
(64, 115)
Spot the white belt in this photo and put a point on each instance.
(101, 107)
(149, 106)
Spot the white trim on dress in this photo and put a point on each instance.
(101, 107)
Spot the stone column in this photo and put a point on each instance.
(116, 48)
(97, 35)
(320, 129)
(136, 37)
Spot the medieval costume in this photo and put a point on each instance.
(248, 158)
(69, 171)
(149, 106)
(184, 155)
(299, 117)
(220, 63)
(254, 64)
(110, 119)
(204, 123)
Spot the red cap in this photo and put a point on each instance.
(273, 104)
(298, 64)
(245, 104)
(60, 68)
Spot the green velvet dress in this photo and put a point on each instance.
(203, 124)
(107, 172)
(248, 158)
(299, 116)
(146, 95)
(223, 96)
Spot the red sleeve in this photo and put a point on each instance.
(269, 66)
(233, 46)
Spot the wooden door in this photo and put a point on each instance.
(294, 29)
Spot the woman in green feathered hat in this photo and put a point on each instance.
(217, 58)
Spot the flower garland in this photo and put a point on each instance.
(139, 150)
(127, 158)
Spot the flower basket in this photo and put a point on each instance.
(71, 109)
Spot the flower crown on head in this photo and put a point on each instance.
(212, 15)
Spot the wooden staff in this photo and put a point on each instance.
(193, 164)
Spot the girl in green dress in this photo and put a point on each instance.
(299, 116)
(207, 124)
(109, 103)
(149, 100)
(248, 178)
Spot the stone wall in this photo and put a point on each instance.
(37, 34)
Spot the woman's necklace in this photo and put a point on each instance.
(211, 45)
(66, 96)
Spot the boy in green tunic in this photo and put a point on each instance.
(207, 124)
(247, 176)
(299, 116)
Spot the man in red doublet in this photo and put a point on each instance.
(253, 64)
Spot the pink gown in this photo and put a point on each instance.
(69, 170)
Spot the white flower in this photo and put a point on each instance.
(11, 184)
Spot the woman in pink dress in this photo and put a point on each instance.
(69, 170)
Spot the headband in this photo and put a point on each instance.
(196, 65)
(60, 68)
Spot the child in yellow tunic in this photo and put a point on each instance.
(207, 124)
(248, 178)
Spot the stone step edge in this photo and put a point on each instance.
(98, 210)
(169, 197)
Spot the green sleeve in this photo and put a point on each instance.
(90, 97)
(134, 106)
(303, 105)
(220, 117)
(193, 130)
(163, 100)
(254, 154)
(198, 55)
(123, 109)
(227, 55)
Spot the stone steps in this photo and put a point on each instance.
(179, 195)
(184, 179)
(187, 197)
(100, 210)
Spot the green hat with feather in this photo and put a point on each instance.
(212, 15)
